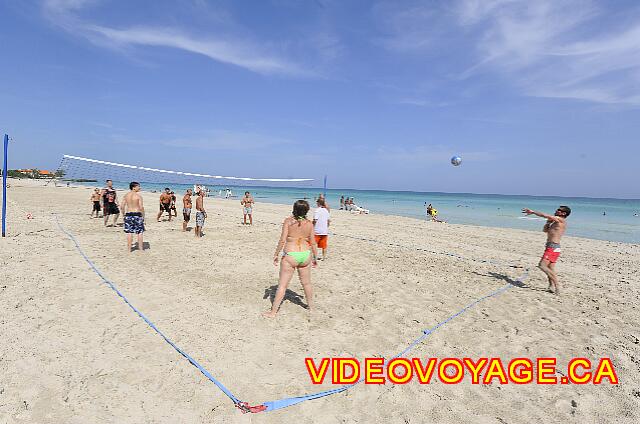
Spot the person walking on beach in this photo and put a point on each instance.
(109, 205)
(555, 227)
(165, 203)
(321, 222)
(133, 216)
(201, 214)
(299, 244)
(95, 199)
(247, 207)
(186, 209)
(341, 202)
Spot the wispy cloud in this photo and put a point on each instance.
(234, 52)
(214, 140)
(411, 101)
(259, 57)
(546, 48)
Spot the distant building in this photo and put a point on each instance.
(35, 173)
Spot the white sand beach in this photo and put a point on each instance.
(73, 352)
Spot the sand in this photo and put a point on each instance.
(74, 352)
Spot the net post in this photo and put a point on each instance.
(4, 186)
(325, 187)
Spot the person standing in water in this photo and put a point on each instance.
(298, 240)
(429, 211)
(555, 227)
(134, 216)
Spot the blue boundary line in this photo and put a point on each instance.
(151, 324)
(283, 403)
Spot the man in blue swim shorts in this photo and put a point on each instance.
(201, 214)
(134, 216)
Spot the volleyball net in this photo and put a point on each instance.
(78, 169)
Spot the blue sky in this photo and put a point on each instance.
(537, 97)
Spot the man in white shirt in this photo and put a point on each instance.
(321, 223)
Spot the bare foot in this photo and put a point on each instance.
(269, 314)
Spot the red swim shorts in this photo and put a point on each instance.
(551, 254)
(321, 241)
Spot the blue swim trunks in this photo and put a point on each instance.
(134, 223)
(200, 219)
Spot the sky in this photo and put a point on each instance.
(539, 98)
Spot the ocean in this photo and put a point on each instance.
(602, 219)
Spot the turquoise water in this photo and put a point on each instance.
(490, 210)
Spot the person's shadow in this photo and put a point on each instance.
(290, 295)
(145, 244)
(506, 278)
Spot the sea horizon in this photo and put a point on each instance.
(609, 219)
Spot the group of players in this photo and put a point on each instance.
(133, 207)
(299, 238)
(132, 204)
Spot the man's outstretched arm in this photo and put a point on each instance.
(540, 214)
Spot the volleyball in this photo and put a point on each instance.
(456, 160)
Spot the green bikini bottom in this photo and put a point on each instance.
(300, 257)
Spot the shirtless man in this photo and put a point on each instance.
(109, 205)
(95, 199)
(165, 203)
(555, 228)
(201, 214)
(186, 209)
(247, 207)
(134, 215)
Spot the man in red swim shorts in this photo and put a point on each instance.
(555, 228)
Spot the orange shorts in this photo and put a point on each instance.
(321, 241)
(551, 254)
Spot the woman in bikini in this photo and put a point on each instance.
(300, 252)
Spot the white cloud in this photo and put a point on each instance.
(233, 52)
(545, 48)
(257, 57)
